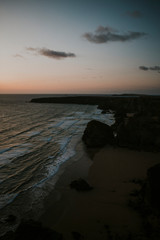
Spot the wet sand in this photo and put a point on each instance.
(102, 213)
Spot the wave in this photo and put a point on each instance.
(39, 142)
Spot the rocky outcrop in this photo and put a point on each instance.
(147, 202)
(134, 131)
(153, 186)
(80, 185)
(139, 132)
(97, 134)
(148, 197)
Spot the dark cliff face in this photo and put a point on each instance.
(139, 132)
(153, 186)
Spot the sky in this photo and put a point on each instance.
(80, 47)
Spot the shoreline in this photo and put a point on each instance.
(104, 210)
(53, 195)
(76, 167)
(112, 171)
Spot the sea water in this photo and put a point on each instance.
(35, 140)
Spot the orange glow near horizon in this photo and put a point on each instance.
(70, 85)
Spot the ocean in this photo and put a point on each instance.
(35, 140)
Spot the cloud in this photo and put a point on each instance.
(143, 68)
(154, 68)
(134, 14)
(51, 53)
(108, 34)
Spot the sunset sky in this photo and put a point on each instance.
(85, 46)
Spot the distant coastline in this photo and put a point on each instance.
(90, 99)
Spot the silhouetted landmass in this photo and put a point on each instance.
(137, 119)
(73, 100)
(119, 103)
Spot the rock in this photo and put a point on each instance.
(31, 230)
(80, 185)
(97, 134)
(139, 132)
(153, 183)
(77, 236)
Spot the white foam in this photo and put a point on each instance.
(53, 168)
(63, 142)
(105, 118)
(79, 113)
(7, 156)
(69, 118)
(98, 111)
(67, 150)
(5, 150)
(32, 133)
(47, 139)
(68, 123)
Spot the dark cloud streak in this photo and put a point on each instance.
(143, 68)
(155, 68)
(108, 34)
(51, 53)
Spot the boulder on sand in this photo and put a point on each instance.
(80, 185)
(97, 134)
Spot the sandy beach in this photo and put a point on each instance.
(102, 213)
